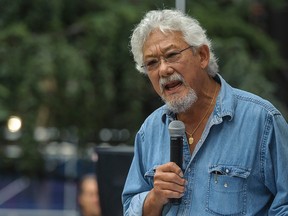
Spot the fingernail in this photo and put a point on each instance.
(181, 175)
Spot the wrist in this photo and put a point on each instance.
(153, 205)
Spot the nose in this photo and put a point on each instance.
(164, 68)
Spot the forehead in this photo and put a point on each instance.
(89, 183)
(160, 40)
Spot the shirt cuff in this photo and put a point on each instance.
(136, 204)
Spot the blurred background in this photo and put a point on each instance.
(68, 83)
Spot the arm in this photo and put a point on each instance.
(136, 186)
(275, 166)
(147, 191)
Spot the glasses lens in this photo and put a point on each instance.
(173, 56)
(170, 57)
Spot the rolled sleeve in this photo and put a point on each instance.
(136, 204)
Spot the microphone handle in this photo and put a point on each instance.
(176, 155)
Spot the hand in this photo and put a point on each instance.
(168, 183)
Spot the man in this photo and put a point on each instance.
(236, 145)
(88, 198)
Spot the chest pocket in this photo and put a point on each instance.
(227, 190)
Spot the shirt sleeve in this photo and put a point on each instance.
(136, 205)
(275, 163)
(136, 186)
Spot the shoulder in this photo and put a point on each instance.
(239, 103)
(155, 123)
(156, 117)
(233, 97)
(248, 100)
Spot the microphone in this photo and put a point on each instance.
(177, 131)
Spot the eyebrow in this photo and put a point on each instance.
(163, 50)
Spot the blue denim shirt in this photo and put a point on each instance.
(239, 166)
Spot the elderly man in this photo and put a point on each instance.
(236, 145)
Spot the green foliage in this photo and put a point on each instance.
(66, 64)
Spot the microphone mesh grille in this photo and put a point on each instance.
(176, 128)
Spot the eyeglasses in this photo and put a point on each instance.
(169, 57)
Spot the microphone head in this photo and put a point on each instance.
(176, 128)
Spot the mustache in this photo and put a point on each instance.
(174, 77)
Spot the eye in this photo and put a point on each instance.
(172, 55)
(151, 63)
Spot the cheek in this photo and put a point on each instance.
(155, 83)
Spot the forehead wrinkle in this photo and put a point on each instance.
(163, 50)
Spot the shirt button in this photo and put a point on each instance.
(227, 170)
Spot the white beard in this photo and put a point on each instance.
(181, 104)
(178, 104)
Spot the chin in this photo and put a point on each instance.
(178, 104)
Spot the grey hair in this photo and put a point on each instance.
(170, 20)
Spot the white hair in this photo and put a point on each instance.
(170, 20)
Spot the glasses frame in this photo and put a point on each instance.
(165, 59)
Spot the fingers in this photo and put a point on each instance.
(175, 168)
(171, 168)
(169, 182)
(167, 177)
(170, 187)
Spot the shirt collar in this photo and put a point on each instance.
(225, 103)
(168, 115)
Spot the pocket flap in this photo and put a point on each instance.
(229, 170)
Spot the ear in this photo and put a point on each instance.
(204, 54)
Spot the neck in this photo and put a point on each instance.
(206, 100)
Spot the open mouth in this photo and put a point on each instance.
(170, 86)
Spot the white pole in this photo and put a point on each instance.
(180, 5)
